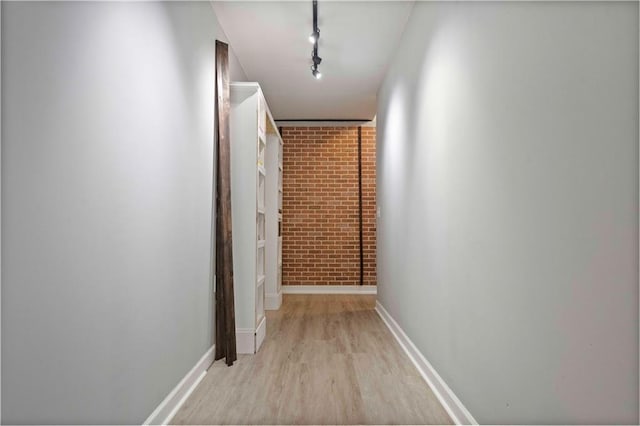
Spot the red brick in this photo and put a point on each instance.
(320, 206)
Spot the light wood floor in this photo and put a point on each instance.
(326, 360)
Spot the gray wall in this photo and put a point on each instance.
(107, 165)
(508, 188)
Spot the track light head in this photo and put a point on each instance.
(314, 37)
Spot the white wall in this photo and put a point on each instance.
(107, 168)
(508, 188)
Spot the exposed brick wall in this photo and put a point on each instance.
(320, 235)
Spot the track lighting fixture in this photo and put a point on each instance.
(314, 38)
(315, 35)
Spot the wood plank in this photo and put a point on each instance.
(225, 313)
(327, 359)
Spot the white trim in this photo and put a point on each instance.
(248, 340)
(245, 340)
(273, 301)
(261, 333)
(0, 222)
(330, 289)
(639, 232)
(169, 406)
(454, 407)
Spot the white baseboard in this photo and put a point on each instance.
(168, 408)
(454, 407)
(273, 301)
(330, 289)
(261, 333)
(245, 340)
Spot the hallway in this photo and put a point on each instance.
(327, 359)
(379, 212)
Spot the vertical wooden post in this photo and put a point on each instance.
(225, 314)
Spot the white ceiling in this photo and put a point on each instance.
(357, 41)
